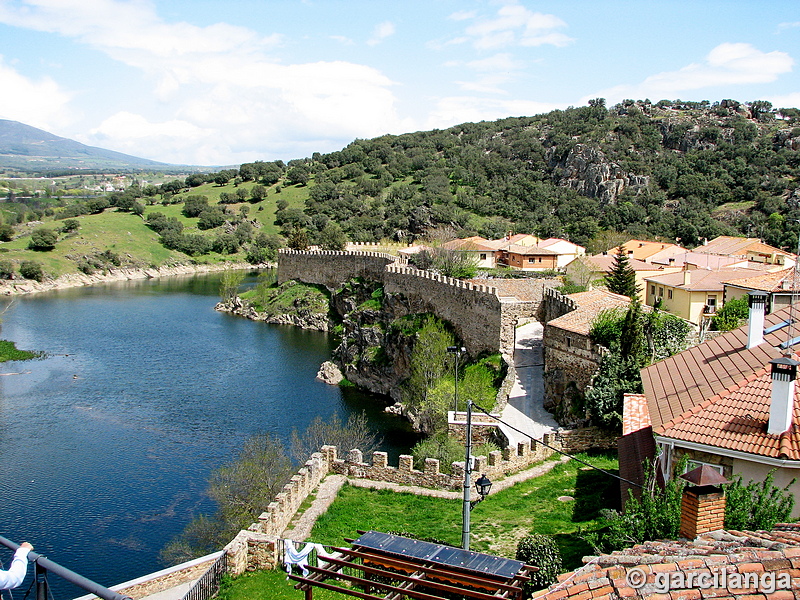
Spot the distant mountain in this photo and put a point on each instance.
(30, 149)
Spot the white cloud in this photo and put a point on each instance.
(41, 103)
(492, 72)
(221, 97)
(381, 32)
(727, 64)
(454, 110)
(514, 25)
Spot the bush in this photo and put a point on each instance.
(31, 269)
(70, 225)
(757, 505)
(6, 269)
(733, 314)
(540, 550)
(6, 233)
(43, 239)
(209, 219)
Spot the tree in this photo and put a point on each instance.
(332, 237)
(31, 269)
(43, 239)
(6, 232)
(757, 505)
(733, 314)
(70, 225)
(194, 205)
(356, 433)
(298, 239)
(621, 278)
(229, 284)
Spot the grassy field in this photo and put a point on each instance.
(496, 524)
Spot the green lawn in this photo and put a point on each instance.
(497, 523)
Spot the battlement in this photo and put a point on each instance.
(464, 285)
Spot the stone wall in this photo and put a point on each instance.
(554, 305)
(473, 310)
(331, 268)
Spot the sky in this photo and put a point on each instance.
(207, 82)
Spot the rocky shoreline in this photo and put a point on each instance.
(17, 287)
(305, 320)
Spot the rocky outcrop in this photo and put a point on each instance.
(330, 373)
(26, 286)
(305, 319)
(587, 171)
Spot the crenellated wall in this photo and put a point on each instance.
(331, 268)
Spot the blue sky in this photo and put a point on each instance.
(216, 83)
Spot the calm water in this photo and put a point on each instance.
(107, 443)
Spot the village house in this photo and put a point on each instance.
(594, 268)
(476, 248)
(753, 249)
(779, 286)
(692, 294)
(527, 258)
(729, 403)
(646, 251)
(566, 250)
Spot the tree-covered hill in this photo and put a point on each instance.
(595, 175)
(672, 170)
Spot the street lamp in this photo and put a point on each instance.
(482, 485)
(456, 351)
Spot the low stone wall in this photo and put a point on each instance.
(331, 268)
(554, 305)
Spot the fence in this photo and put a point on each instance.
(208, 585)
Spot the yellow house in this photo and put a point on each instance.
(692, 294)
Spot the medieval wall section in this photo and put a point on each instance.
(331, 268)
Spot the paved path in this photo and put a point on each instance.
(331, 485)
(525, 408)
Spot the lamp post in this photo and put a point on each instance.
(482, 485)
(456, 351)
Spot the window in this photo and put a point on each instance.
(669, 294)
(712, 303)
(693, 464)
(653, 290)
(569, 342)
(483, 256)
(530, 260)
(660, 291)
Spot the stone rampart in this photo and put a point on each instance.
(331, 268)
(554, 305)
(474, 310)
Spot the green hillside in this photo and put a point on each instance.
(672, 171)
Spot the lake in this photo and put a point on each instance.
(108, 442)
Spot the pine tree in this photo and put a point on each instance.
(621, 278)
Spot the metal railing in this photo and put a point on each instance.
(43, 566)
(208, 585)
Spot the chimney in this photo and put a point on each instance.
(781, 406)
(687, 276)
(755, 321)
(703, 502)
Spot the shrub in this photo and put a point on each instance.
(6, 233)
(70, 225)
(209, 219)
(732, 315)
(43, 239)
(757, 505)
(31, 269)
(540, 550)
(194, 205)
(6, 269)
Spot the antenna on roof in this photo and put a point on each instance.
(788, 347)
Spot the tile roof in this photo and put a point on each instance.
(642, 249)
(731, 245)
(590, 304)
(635, 415)
(768, 282)
(528, 250)
(606, 577)
(699, 260)
(603, 262)
(677, 385)
(702, 280)
(470, 244)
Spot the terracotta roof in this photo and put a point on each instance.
(528, 250)
(470, 244)
(768, 282)
(635, 415)
(731, 245)
(603, 262)
(590, 304)
(701, 280)
(737, 553)
(678, 384)
(642, 249)
(700, 260)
